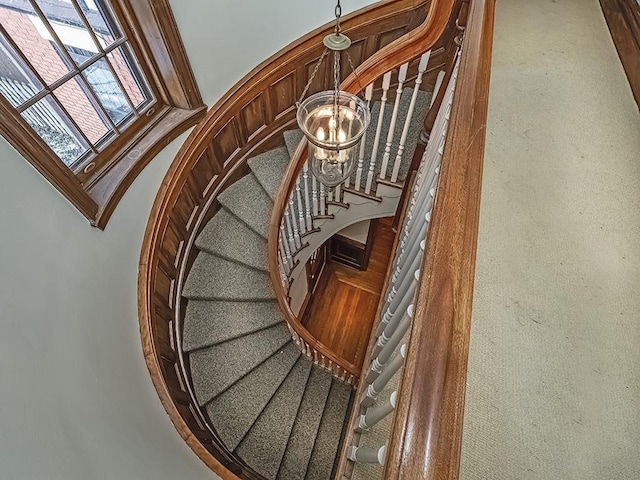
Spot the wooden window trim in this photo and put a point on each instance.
(155, 40)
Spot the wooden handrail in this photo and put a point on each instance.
(392, 56)
(427, 431)
(248, 119)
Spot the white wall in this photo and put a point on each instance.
(76, 401)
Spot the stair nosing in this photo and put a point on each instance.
(243, 222)
(249, 372)
(269, 401)
(294, 423)
(300, 358)
(233, 260)
(215, 344)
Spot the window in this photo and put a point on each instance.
(83, 92)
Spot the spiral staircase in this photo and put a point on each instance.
(223, 272)
(270, 405)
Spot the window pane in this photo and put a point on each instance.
(33, 39)
(106, 88)
(81, 106)
(69, 27)
(102, 21)
(130, 75)
(49, 122)
(17, 82)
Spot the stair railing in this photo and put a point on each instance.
(247, 120)
(389, 351)
(417, 378)
(411, 50)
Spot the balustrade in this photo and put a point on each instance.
(388, 353)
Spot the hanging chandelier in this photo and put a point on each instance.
(333, 121)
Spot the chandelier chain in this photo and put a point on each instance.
(353, 69)
(313, 75)
(338, 12)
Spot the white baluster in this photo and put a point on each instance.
(402, 76)
(437, 86)
(323, 200)
(390, 329)
(422, 67)
(283, 275)
(314, 193)
(368, 94)
(291, 238)
(373, 389)
(400, 304)
(386, 82)
(367, 454)
(294, 224)
(385, 353)
(301, 220)
(412, 264)
(375, 415)
(307, 198)
(286, 255)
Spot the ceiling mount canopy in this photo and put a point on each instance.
(333, 121)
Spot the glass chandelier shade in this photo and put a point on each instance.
(334, 122)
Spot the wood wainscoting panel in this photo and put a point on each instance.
(623, 19)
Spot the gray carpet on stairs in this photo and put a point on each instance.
(234, 412)
(216, 368)
(263, 447)
(247, 200)
(268, 404)
(214, 278)
(292, 140)
(269, 169)
(296, 458)
(208, 322)
(227, 237)
(326, 446)
(413, 135)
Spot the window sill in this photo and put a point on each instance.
(107, 187)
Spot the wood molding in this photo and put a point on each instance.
(97, 184)
(623, 19)
(247, 120)
(427, 430)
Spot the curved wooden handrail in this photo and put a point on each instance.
(392, 56)
(427, 431)
(246, 120)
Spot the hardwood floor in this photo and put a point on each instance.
(342, 310)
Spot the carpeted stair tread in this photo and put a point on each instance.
(413, 136)
(216, 368)
(292, 140)
(269, 169)
(263, 447)
(228, 237)
(208, 322)
(326, 446)
(300, 446)
(233, 412)
(214, 278)
(247, 200)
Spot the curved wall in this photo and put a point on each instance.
(77, 402)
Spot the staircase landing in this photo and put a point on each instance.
(342, 311)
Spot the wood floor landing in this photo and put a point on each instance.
(342, 310)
